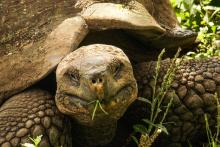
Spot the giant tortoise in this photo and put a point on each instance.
(35, 38)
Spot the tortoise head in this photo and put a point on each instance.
(95, 80)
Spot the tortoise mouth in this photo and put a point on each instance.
(111, 107)
(110, 101)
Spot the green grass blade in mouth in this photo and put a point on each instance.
(95, 109)
(102, 108)
(97, 104)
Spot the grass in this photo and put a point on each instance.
(97, 105)
(153, 125)
(213, 139)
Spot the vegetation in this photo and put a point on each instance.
(97, 104)
(213, 138)
(36, 141)
(202, 16)
(153, 126)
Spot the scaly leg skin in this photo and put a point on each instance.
(30, 114)
(194, 86)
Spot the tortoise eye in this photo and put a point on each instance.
(117, 68)
(74, 77)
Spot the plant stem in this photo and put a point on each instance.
(95, 109)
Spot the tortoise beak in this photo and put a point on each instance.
(119, 16)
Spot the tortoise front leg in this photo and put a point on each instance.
(194, 86)
(30, 114)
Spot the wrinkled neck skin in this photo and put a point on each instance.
(100, 133)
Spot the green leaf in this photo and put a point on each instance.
(27, 145)
(206, 18)
(159, 126)
(135, 139)
(188, 4)
(144, 100)
(37, 140)
(191, 54)
(150, 122)
(164, 129)
(140, 128)
(214, 28)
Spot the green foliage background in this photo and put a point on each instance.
(202, 16)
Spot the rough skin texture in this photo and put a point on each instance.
(32, 113)
(95, 72)
(194, 86)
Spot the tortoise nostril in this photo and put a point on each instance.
(97, 80)
(93, 81)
